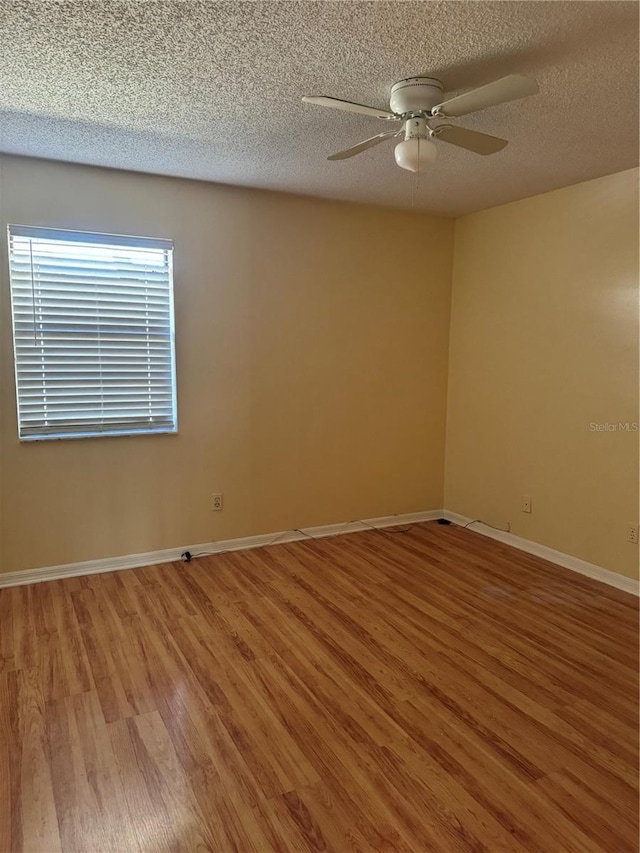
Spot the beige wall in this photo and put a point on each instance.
(544, 343)
(311, 366)
(312, 370)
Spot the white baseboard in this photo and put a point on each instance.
(169, 555)
(566, 560)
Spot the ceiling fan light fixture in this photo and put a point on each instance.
(416, 154)
(417, 100)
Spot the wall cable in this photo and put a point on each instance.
(187, 556)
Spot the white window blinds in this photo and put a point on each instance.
(93, 333)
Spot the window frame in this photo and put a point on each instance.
(105, 239)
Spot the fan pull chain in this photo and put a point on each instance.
(416, 181)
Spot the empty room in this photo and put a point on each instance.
(319, 398)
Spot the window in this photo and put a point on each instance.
(93, 333)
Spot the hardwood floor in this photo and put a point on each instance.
(426, 690)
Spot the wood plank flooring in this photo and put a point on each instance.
(418, 690)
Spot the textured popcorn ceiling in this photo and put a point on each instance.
(212, 91)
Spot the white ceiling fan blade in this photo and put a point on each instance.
(499, 92)
(349, 106)
(362, 146)
(481, 143)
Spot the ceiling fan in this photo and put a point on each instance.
(417, 103)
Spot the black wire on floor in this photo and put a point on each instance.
(506, 529)
(187, 556)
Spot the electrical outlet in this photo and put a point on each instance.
(526, 503)
(216, 503)
(632, 534)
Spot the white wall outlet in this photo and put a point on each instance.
(216, 503)
(632, 534)
(526, 503)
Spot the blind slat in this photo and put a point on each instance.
(93, 333)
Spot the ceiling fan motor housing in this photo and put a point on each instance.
(415, 94)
